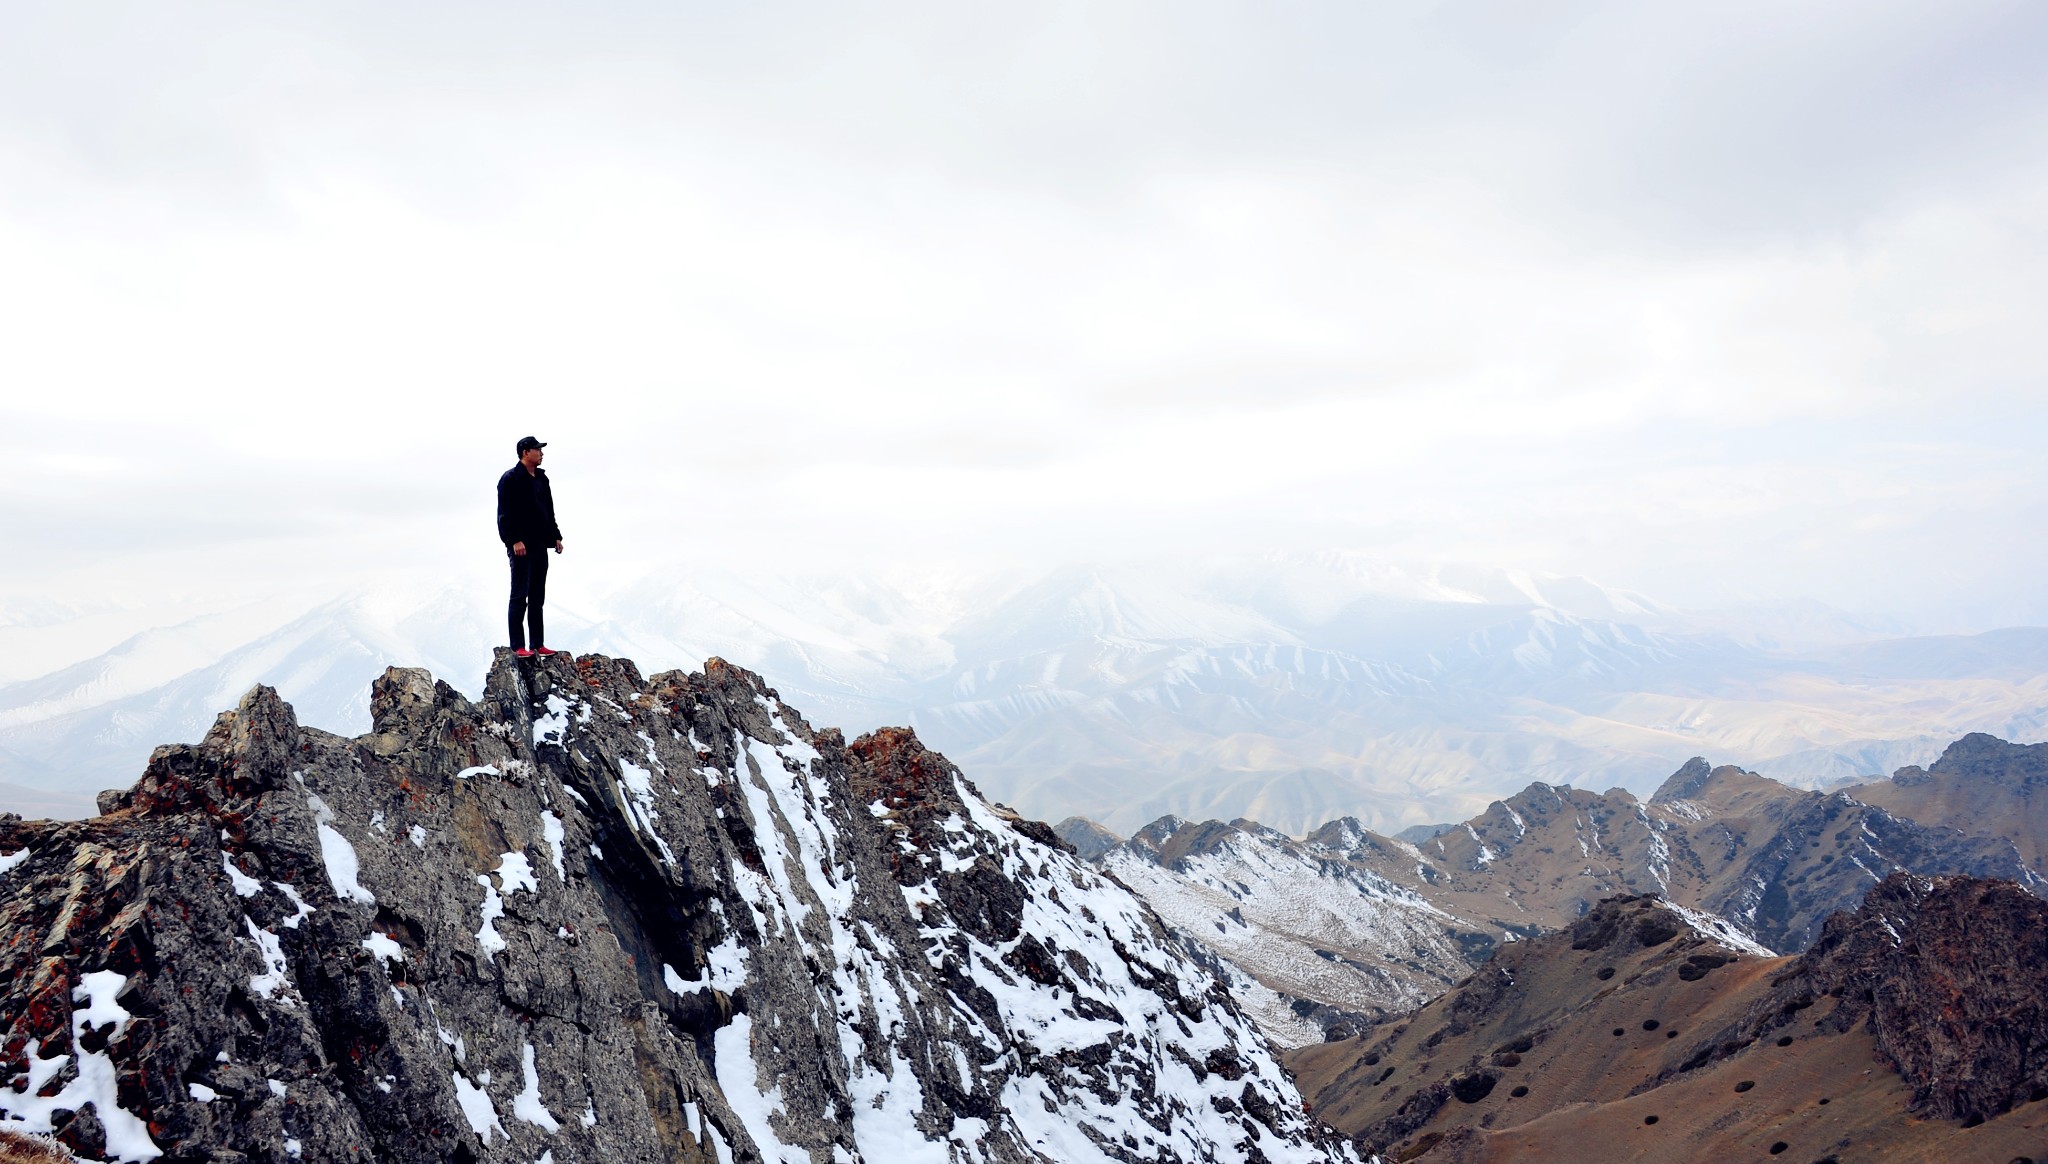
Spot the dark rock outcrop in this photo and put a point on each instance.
(595, 917)
(1949, 974)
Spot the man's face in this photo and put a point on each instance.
(530, 458)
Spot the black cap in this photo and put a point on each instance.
(528, 442)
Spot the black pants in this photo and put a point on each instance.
(529, 590)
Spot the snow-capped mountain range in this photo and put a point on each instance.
(1291, 689)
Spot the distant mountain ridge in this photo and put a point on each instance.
(1348, 927)
(1290, 689)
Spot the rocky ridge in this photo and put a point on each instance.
(599, 917)
(1344, 927)
(1980, 784)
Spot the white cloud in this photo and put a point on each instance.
(1605, 290)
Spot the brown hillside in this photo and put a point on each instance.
(1914, 1029)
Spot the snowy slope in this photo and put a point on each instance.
(1299, 918)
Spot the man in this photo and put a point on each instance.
(526, 524)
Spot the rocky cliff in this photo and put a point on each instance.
(599, 917)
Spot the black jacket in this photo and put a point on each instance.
(526, 509)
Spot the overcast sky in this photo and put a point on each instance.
(1720, 302)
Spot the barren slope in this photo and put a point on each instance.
(1916, 1028)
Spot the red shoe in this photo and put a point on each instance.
(524, 653)
(547, 652)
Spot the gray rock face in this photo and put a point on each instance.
(600, 918)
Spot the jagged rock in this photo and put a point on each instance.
(595, 917)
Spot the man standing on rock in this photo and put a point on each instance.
(526, 524)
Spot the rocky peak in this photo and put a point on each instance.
(1685, 783)
(596, 917)
(1088, 839)
(1718, 791)
(1171, 840)
(1986, 757)
(1981, 784)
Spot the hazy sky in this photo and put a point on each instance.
(1716, 301)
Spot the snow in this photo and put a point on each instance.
(100, 988)
(476, 1107)
(479, 770)
(1283, 901)
(515, 874)
(278, 1088)
(384, 948)
(551, 830)
(201, 1092)
(245, 885)
(418, 835)
(93, 1082)
(1686, 809)
(527, 1105)
(552, 727)
(738, 1078)
(10, 860)
(1721, 930)
(636, 789)
(492, 909)
(298, 903)
(267, 984)
(725, 969)
(338, 855)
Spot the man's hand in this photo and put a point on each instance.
(558, 547)
(518, 549)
